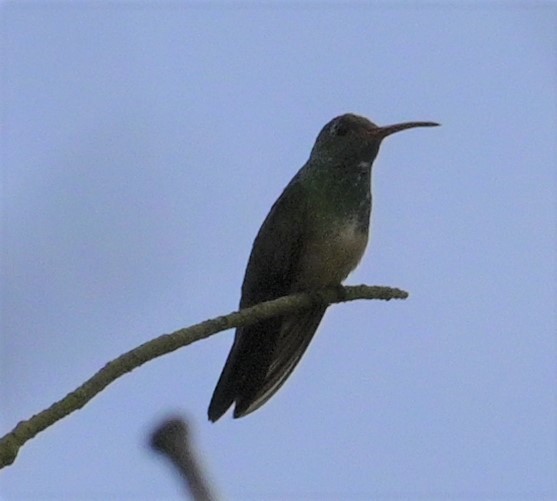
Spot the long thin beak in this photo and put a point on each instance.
(383, 132)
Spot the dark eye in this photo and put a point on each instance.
(339, 128)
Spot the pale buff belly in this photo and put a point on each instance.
(328, 257)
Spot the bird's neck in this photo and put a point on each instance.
(340, 193)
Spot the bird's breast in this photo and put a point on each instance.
(330, 254)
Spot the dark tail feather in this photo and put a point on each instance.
(246, 366)
(294, 337)
(261, 359)
(225, 391)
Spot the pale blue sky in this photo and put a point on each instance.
(142, 146)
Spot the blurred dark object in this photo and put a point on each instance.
(172, 438)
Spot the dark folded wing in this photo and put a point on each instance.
(270, 274)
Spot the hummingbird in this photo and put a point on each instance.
(314, 235)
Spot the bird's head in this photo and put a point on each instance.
(351, 139)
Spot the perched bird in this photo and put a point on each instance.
(314, 235)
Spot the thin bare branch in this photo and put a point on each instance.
(167, 343)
